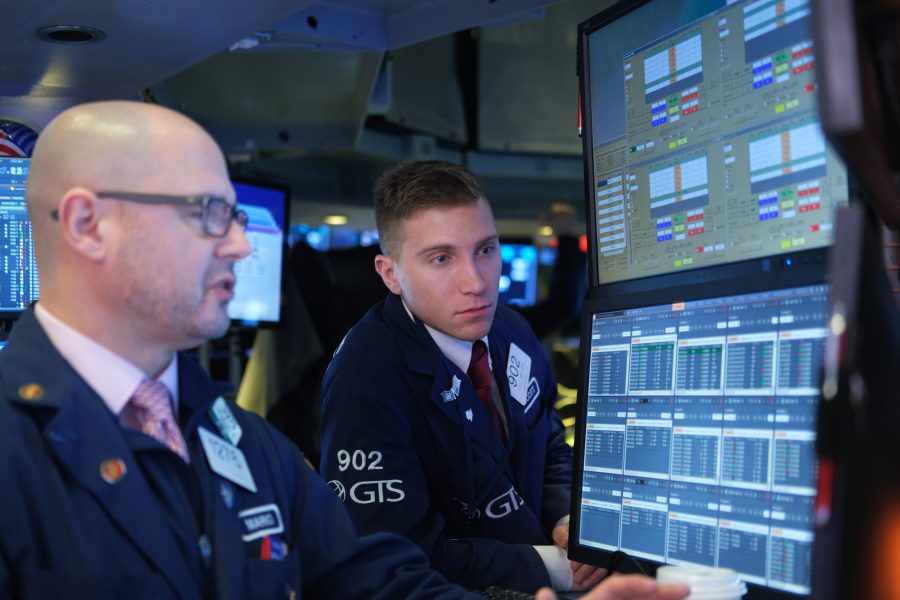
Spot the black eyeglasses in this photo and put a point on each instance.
(216, 214)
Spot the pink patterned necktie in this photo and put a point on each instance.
(150, 410)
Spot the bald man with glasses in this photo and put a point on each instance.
(126, 472)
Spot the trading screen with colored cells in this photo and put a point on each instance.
(706, 143)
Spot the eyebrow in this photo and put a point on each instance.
(448, 247)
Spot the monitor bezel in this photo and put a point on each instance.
(585, 30)
(758, 275)
(286, 193)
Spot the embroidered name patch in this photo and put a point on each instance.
(260, 521)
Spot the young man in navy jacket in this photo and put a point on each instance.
(480, 481)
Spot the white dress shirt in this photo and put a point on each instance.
(111, 376)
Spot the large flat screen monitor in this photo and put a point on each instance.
(19, 285)
(695, 442)
(701, 136)
(257, 295)
(519, 274)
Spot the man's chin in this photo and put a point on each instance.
(211, 330)
(220, 329)
(472, 335)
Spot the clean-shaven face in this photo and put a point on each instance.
(448, 268)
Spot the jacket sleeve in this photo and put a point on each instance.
(369, 456)
(548, 433)
(557, 473)
(338, 562)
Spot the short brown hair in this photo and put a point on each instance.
(414, 186)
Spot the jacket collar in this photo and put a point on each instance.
(423, 356)
(84, 435)
(196, 391)
(418, 348)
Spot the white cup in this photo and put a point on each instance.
(706, 583)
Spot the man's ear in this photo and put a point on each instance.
(80, 214)
(385, 267)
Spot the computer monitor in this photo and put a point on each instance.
(317, 238)
(519, 274)
(701, 136)
(257, 295)
(695, 434)
(327, 237)
(547, 256)
(19, 285)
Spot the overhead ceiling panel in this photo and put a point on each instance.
(425, 91)
(146, 41)
(527, 85)
(391, 24)
(277, 101)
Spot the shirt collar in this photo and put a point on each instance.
(458, 351)
(111, 376)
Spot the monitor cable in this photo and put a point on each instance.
(615, 562)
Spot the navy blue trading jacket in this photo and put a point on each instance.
(410, 449)
(160, 528)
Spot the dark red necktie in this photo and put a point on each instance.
(480, 374)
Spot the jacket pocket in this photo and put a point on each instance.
(273, 578)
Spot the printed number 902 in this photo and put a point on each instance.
(513, 370)
(359, 461)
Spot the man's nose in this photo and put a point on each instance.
(471, 277)
(235, 244)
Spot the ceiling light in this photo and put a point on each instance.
(335, 219)
(70, 34)
(546, 230)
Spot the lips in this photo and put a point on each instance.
(225, 285)
(477, 311)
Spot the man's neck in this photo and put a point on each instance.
(112, 337)
(113, 376)
(457, 351)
